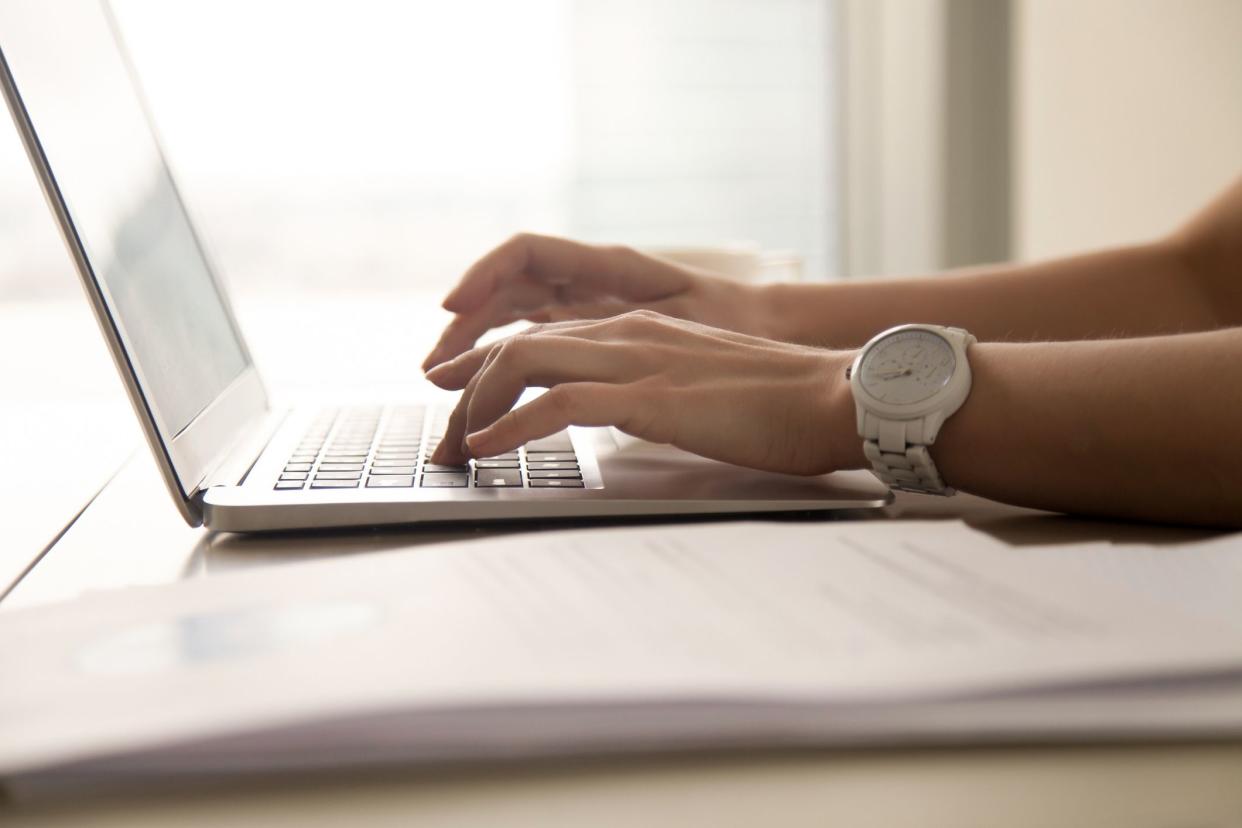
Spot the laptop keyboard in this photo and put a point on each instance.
(391, 448)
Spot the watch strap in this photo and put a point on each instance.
(911, 470)
(897, 452)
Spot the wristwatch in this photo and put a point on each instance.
(906, 382)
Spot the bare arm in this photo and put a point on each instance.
(1191, 281)
(1133, 428)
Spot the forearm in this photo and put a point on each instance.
(1137, 428)
(1144, 290)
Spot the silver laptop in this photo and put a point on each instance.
(229, 459)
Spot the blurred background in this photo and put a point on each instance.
(382, 146)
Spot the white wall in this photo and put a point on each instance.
(1128, 116)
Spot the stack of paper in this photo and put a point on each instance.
(640, 639)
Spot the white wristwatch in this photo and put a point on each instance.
(907, 381)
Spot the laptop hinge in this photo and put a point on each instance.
(244, 453)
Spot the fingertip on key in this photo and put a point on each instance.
(440, 457)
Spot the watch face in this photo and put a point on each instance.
(907, 367)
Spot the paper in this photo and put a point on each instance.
(725, 633)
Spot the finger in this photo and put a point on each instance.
(452, 448)
(584, 310)
(579, 403)
(453, 374)
(581, 270)
(464, 330)
(545, 362)
(456, 358)
(458, 336)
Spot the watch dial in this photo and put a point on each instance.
(907, 367)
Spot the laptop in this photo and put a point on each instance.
(230, 459)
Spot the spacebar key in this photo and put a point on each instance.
(446, 480)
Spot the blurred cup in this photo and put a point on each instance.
(740, 261)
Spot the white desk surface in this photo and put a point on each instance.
(131, 534)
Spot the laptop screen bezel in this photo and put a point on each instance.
(187, 457)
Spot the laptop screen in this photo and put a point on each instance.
(159, 288)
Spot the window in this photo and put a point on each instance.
(386, 145)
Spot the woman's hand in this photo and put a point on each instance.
(546, 279)
(720, 394)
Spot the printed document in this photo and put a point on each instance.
(631, 639)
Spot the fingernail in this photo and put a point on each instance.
(435, 371)
(474, 442)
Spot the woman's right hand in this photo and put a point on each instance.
(548, 279)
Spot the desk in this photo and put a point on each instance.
(130, 535)
(1166, 784)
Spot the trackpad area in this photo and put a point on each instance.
(634, 468)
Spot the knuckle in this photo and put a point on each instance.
(634, 320)
(617, 251)
(512, 350)
(493, 351)
(562, 399)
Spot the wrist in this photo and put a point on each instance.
(840, 414)
(805, 313)
(778, 305)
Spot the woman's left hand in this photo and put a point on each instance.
(724, 395)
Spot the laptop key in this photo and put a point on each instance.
(391, 482)
(338, 475)
(294, 475)
(498, 478)
(339, 467)
(438, 468)
(380, 462)
(289, 484)
(551, 457)
(334, 484)
(560, 474)
(513, 455)
(406, 469)
(298, 467)
(446, 481)
(496, 464)
(552, 466)
(556, 484)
